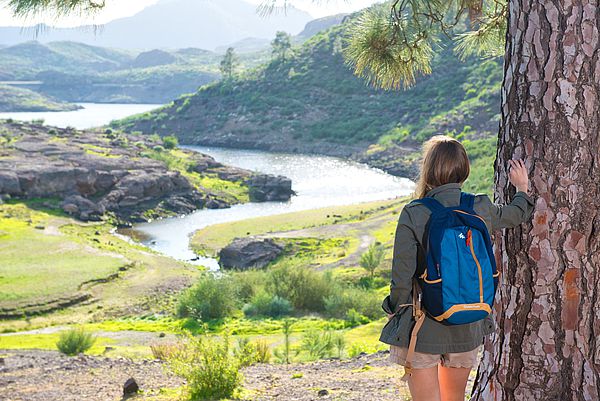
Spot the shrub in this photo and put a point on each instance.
(263, 351)
(210, 298)
(158, 148)
(317, 344)
(249, 353)
(339, 343)
(263, 304)
(356, 319)
(362, 301)
(304, 288)
(246, 352)
(170, 142)
(75, 341)
(249, 283)
(210, 370)
(164, 351)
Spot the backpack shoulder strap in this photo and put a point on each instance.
(431, 204)
(467, 200)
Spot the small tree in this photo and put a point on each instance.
(372, 258)
(282, 45)
(285, 354)
(229, 63)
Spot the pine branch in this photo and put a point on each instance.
(27, 8)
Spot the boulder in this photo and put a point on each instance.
(130, 387)
(268, 187)
(244, 253)
(9, 183)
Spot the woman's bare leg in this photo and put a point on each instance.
(424, 384)
(453, 382)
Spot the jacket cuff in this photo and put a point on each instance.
(526, 197)
(385, 305)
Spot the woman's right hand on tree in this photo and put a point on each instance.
(518, 175)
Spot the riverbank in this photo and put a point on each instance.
(102, 174)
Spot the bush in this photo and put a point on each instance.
(164, 351)
(264, 304)
(210, 370)
(248, 283)
(304, 288)
(317, 344)
(75, 341)
(210, 298)
(362, 301)
(170, 142)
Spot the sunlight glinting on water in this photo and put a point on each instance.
(318, 180)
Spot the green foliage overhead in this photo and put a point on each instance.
(390, 44)
(58, 7)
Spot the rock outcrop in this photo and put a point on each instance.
(98, 172)
(266, 187)
(244, 253)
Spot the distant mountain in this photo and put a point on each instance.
(253, 45)
(320, 24)
(246, 45)
(173, 24)
(311, 102)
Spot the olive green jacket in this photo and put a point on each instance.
(435, 337)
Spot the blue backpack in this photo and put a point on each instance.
(459, 280)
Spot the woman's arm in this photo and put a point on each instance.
(404, 264)
(520, 208)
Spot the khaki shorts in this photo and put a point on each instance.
(423, 361)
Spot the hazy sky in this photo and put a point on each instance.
(122, 8)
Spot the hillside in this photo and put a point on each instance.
(20, 99)
(174, 24)
(312, 102)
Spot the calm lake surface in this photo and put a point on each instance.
(92, 114)
(318, 181)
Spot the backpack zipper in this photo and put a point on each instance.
(470, 243)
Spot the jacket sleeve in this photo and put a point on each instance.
(508, 216)
(404, 264)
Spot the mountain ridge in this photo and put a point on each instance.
(171, 24)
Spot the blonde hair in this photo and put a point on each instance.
(444, 161)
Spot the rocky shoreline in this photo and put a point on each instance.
(93, 174)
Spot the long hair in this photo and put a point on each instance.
(444, 161)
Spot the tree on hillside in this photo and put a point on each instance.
(228, 63)
(282, 45)
(372, 258)
(545, 347)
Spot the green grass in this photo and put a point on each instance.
(180, 160)
(47, 341)
(215, 237)
(41, 266)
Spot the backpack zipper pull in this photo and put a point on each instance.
(469, 237)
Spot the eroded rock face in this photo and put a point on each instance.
(244, 253)
(94, 174)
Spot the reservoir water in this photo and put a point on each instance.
(318, 181)
(91, 115)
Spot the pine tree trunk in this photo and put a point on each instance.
(547, 308)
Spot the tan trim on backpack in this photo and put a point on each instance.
(462, 308)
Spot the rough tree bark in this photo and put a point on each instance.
(547, 311)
